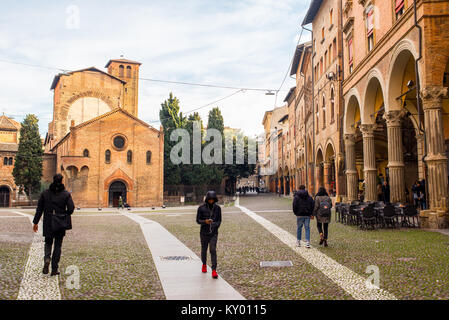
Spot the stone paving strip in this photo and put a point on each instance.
(263, 211)
(181, 279)
(348, 280)
(35, 285)
(2, 217)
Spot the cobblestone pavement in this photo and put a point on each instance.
(412, 263)
(35, 285)
(344, 277)
(112, 258)
(115, 263)
(15, 241)
(181, 279)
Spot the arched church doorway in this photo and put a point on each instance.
(4, 196)
(116, 189)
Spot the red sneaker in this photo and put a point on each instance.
(214, 274)
(204, 269)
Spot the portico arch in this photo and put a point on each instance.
(286, 181)
(375, 140)
(330, 169)
(406, 141)
(353, 145)
(319, 170)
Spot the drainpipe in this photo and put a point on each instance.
(305, 129)
(418, 103)
(341, 99)
(313, 111)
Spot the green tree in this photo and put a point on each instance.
(236, 170)
(216, 171)
(194, 174)
(27, 170)
(171, 119)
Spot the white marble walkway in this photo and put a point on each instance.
(181, 280)
(35, 285)
(351, 282)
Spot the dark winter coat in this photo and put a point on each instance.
(303, 204)
(386, 193)
(206, 212)
(55, 198)
(319, 218)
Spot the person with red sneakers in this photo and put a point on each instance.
(209, 217)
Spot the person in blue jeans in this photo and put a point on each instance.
(303, 205)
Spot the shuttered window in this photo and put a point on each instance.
(370, 22)
(399, 5)
(351, 56)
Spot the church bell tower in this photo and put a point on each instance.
(127, 71)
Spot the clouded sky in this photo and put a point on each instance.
(243, 43)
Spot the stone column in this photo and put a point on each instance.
(395, 155)
(351, 171)
(285, 185)
(318, 177)
(436, 159)
(369, 162)
(310, 187)
(327, 175)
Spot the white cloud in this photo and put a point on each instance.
(234, 43)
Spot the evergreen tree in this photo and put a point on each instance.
(235, 171)
(194, 174)
(27, 170)
(216, 171)
(171, 119)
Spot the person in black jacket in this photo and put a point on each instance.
(209, 217)
(386, 191)
(56, 199)
(303, 206)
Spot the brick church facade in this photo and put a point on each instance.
(98, 143)
(9, 144)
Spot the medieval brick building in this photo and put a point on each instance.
(9, 139)
(97, 141)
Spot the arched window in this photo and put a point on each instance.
(86, 153)
(148, 157)
(332, 104)
(324, 113)
(317, 123)
(128, 72)
(5, 161)
(10, 161)
(129, 156)
(107, 156)
(370, 27)
(121, 71)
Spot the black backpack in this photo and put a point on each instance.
(324, 209)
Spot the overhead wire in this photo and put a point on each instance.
(289, 68)
(148, 79)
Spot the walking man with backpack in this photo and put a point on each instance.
(322, 211)
(303, 205)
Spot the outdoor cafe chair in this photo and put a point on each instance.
(389, 216)
(410, 215)
(368, 217)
